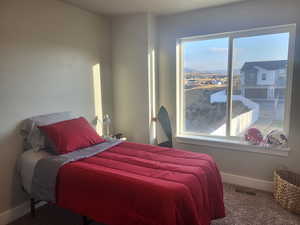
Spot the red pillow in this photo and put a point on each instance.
(70, 135)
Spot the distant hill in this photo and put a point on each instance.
(189, 70)
(221, 72)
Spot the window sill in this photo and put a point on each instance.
(230, 145)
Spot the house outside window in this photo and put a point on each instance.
(225, 85)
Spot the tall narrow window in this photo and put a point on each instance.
(230, 82)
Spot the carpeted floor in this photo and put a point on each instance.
(241, 209)
(259, 209)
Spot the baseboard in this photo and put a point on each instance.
(13, 214)
(247, 182)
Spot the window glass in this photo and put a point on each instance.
(230, 83)
(262, 100)
(205, 76)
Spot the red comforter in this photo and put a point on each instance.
(137, 184)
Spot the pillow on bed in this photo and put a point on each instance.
(71, 135)
(33, 138)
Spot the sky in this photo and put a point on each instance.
(207, 55)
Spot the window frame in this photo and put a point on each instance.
(264, 76)
(180, 103)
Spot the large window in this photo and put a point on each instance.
(227, 83)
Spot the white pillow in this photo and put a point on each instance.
(33, 138)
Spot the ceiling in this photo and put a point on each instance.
(160, 7)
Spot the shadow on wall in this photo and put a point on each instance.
(13, 194)
(11, 144)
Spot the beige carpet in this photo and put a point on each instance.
(241, 208)
(259, 209)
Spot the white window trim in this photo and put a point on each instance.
(226, 142)
(219, 144)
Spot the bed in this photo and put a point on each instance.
(136, 184)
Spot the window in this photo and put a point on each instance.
(219, 91)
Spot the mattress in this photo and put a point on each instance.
(26, 165)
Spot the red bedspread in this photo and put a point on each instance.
(137, 184)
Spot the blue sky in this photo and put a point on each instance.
(213, 54)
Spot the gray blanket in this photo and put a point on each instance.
(46, 170)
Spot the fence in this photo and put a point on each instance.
(241, 122)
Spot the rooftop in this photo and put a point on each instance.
(268, 65)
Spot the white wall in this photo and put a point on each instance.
(47, 53)
(238, 16)
(133, 37)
